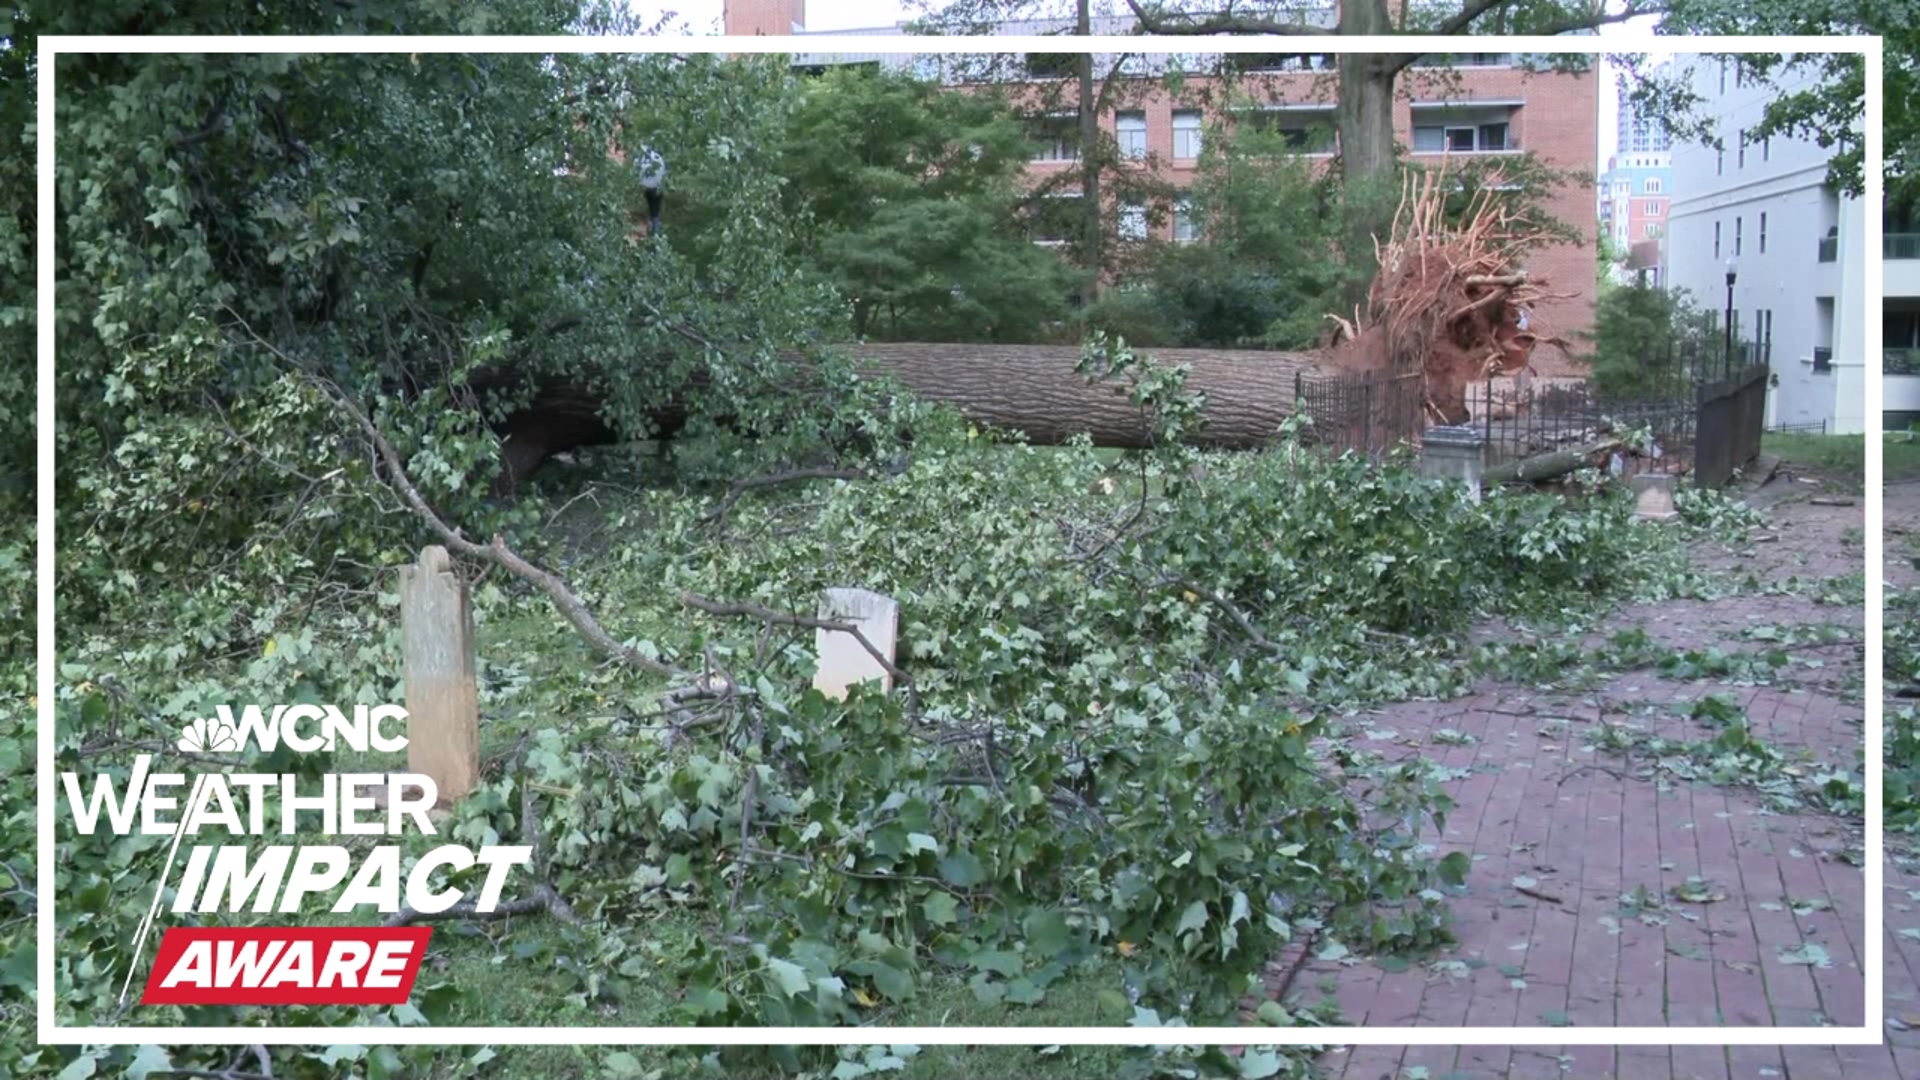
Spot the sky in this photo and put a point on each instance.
(703, 17)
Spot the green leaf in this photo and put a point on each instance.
(999, 961)
(940, 908)
(149, 1059)
(962, 870)
(620, 1064)
(1453, 868)
(1193, 918)
(1023, 992)
(1047, 933)
(1259, 1063)
(791, 978)
(919, 842)
(1273, 1014)
(896, 984)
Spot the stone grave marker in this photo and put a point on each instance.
(443, 700)
(1653, 497)
(842, 659)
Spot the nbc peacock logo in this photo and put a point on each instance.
(209, 736)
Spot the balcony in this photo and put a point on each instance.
(1900, 245)
(1900, 361)
(1829, 248)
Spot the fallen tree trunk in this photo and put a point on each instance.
(1029, 388)
(1548, 466)
(1034, 389)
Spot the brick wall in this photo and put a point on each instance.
(1559, 121)
(762, 18)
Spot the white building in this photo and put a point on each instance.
(1796, 245)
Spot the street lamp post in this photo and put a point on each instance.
(1729, 332)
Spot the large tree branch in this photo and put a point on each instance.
(570, 605)
(1463, 18)
(1395, 63)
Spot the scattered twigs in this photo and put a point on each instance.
(1227, 607)
(1538, 894)
(741, 487)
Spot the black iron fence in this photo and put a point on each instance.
(1679, 402)
(1700, 408)
(1527, 420)
(1368, 413)
(1732, 415)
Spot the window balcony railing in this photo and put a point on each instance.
(1900, 245)
(1900, 361)
(1829, 248)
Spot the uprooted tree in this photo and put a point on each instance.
(1449, 308)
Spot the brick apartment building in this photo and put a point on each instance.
(1492, 106)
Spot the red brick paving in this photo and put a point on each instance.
(1526, 806)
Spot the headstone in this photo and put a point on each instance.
(1653, 497)
(443, 700)
(843, 661)
(1454, 453)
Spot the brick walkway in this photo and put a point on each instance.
(1604, 843)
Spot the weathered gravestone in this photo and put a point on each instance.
(443, 701)
(1653, 497)
(1454, 453)
(843, 660)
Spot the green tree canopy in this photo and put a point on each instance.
(914, 204)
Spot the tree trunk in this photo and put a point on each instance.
(1366, 143)
(1548, 466)
(1092, 235)
(1034, 389)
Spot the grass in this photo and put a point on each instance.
(1843, 458)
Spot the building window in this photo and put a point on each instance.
(1185, 229)
(1056, 218)
(1723, 76)
(1133, 222)
(1716, 240)
(1652, 229)
(1653, 208)
(1130, 128)
(1052, 65)
(1763, 233)
(1057, 138)
(1441, 138)
(1652, 185)
(1736, 237)
(1719, 163)
(1766, 148)
(1186, 134)
(1304, 131)
(1740, 158)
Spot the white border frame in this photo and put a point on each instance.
(52, 47)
